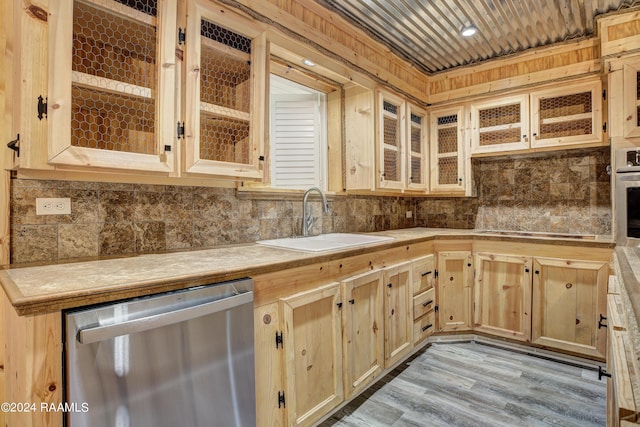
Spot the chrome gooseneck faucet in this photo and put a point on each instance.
(307, 218)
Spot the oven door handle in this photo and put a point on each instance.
(106, 332)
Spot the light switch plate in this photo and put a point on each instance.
(53, 206)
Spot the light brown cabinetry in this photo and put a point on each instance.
(568, 298)
(112, 85)
(447, 158)
(424, 298)
(398, 327)
(621, 405)
(226, 65)
(402, 144)
(502, 295)
(500, 125)
(631, 99)
(312, 343)
(454, 291)
(571, 114)
(363, 334)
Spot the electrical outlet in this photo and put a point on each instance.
(409, 214)
(53, 206)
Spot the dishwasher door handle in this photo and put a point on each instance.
(106, 332)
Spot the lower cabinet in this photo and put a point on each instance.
(363, 334)
(568, 299)
(454, 285)
(398, 327)
(312, 344)
(424, 298)
(502, 295)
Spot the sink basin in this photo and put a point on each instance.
(324, 242)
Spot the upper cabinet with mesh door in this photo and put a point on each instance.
(112, 84)
(226, 80)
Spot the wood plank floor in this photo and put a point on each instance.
(473, 384)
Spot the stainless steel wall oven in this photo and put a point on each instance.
(627, 197)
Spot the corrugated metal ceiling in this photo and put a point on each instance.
(427, 32)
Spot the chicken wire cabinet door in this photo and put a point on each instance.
(225, 91)
(391, 141)
(567, 115)
(112, 84)
(632, 99)
(416, 148)
(447, 154)
(500, 125)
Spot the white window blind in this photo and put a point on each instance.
(296, 140)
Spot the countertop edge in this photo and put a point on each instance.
(42, 304)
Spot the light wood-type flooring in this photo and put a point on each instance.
(473, 384)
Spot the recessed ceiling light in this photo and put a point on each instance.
(469, 31)
(308, 62)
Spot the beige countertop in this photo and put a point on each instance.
(35, 289)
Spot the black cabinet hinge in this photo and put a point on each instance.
(167, 148)
(435, 274)
(600, 324)
(42, 107)
(436, 308)
(604, 127)
(604, 94)
(261, 158)
(602, 372)
(281, 402)
(279, 341)
(182, 35)
(15, 145)
(180, 130)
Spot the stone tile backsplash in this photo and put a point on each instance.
(566, 192)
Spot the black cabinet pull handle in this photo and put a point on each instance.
(469, 265)
(537, 271)
(426, 273)
(389, 285)
(426, 303)
(526, 270)
(424, 328)
(352, 301)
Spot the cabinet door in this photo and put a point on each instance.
(417, 148)
(391, 137)
(500, 125)
(453, 288)
(225, 94)
(112, 84)
(503, 295)
(446, 147)
(363, 337)
(568, 298)
(567, 115)
(398, 312)
(631, 99)
(313, 354)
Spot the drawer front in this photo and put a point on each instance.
(423, 303)
(424, 327)
(423, 273)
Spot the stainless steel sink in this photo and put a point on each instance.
(325, 242)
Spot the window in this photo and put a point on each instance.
(298, 135)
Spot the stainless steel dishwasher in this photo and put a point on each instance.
(184, 358)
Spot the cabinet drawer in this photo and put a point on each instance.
(423, 273)
(423, 303)
(424, 327)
